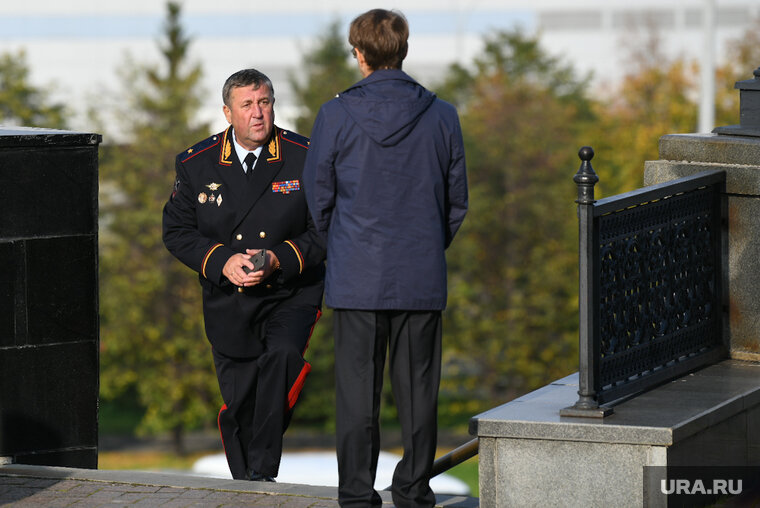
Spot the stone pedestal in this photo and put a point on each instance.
(739, 156)
(530, 456)
(48, 297)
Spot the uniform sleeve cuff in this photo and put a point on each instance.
(291, 259)
(213, 262)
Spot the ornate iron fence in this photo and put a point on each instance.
(651, 293)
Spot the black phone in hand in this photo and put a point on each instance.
(258, 261)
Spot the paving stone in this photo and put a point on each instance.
(23, 486)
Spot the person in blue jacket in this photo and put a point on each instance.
(385, 182)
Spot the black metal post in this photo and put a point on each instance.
(749, 109)
(587, 404)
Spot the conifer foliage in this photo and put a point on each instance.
(152, 340)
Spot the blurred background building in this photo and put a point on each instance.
(75, 47)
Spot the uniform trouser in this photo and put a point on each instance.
(259, 393)
(361, 341)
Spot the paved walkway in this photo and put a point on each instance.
(45, 486)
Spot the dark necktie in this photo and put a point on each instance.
(250, 160)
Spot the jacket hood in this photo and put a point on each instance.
(386, 105)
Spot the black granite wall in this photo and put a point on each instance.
(49, 297)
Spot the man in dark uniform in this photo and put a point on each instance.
(236, 193)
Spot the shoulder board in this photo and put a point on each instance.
(294, 138)
(200, 147)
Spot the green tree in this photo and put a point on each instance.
(511, 323)
(327, 70)
(655, 97)
(152, 334)
(23, 104)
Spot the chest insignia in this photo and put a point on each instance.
(214, 186)
(286, 186)
(202, 197)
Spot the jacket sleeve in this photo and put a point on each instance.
(457, 199)
(182, 237)
(319, 173)
(300, 253)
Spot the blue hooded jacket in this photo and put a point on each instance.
(385, 181)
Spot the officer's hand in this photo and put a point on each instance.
(270, 265)
(233, 270)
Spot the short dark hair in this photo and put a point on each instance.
(381, 36)
(246, 77)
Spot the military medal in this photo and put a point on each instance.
(202, 197)
(211, 198)
(286, 186)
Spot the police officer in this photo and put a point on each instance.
(237, 199)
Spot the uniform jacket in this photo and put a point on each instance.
(215, 212)
(386, 183)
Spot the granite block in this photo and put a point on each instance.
(743, 246)
(722, 444)
(710, 417)
(49, 398)
(37, 184)
(712, 148)
(659, 417)
(61, 289)
(740, 180)
(744, 274)
(753, 426)
(561, 474)
(9, 256)
(487, 463)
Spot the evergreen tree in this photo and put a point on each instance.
(152, 335)
(327, 70)
(23, 104)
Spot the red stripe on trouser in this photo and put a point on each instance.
(295, 390)
(219, 425)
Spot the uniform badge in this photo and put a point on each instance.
(211, 198)
(214, 186)
(286, 186)
(227, 149)
(219, 200)
(202, 197)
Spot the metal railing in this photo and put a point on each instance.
(650, 287)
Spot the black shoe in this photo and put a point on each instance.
(259, 477)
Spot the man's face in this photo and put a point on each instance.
(251, 113)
